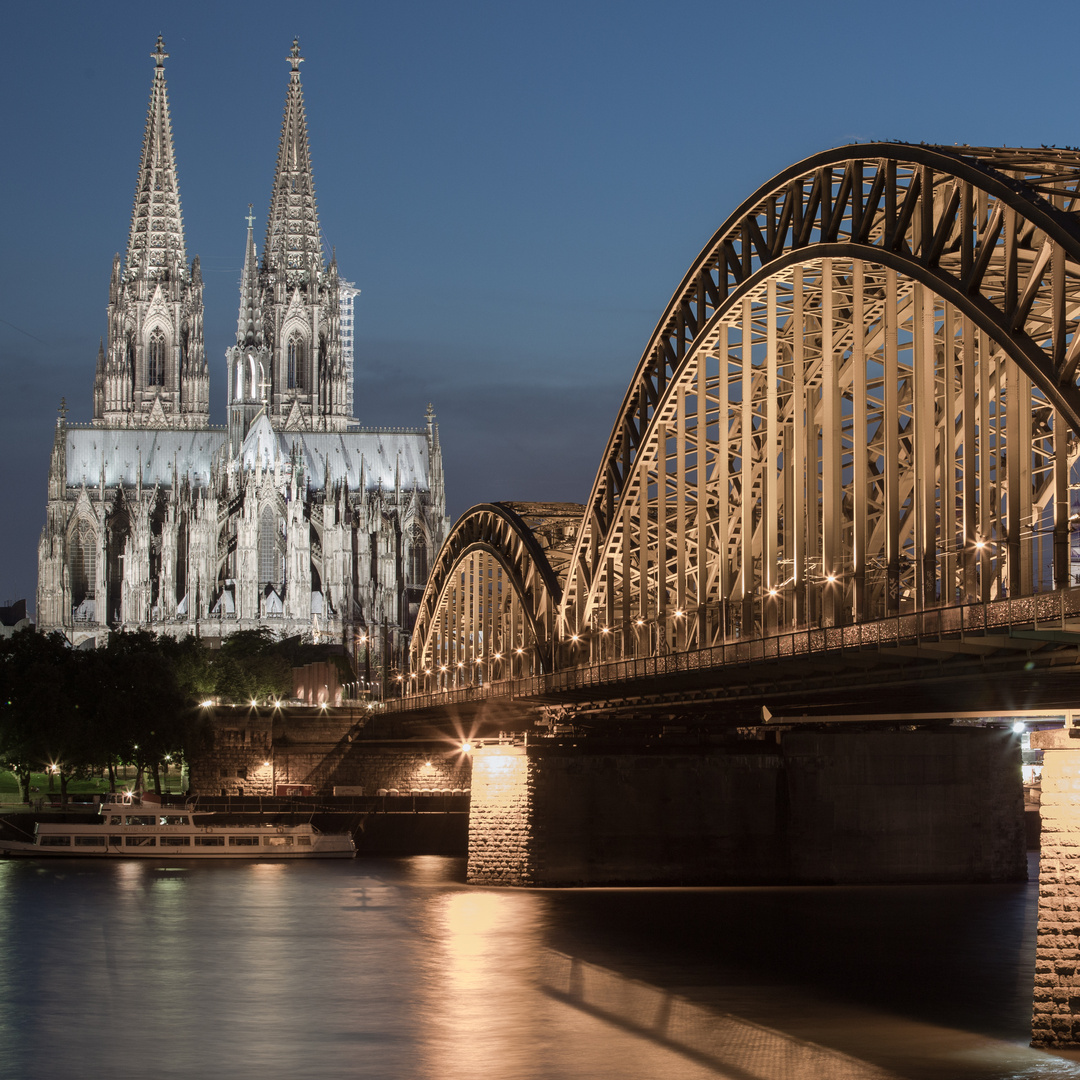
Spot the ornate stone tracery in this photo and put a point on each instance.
(292, 516)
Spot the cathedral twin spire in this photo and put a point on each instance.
(293, 242)
(288, 359)
(156, 239)
(152, 371)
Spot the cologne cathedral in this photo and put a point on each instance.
(294, 516)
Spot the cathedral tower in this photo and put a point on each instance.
(152, 370)
(299, 293)
(248, 361)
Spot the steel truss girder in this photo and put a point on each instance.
(995, 239)
(498, 532)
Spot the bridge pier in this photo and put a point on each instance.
(792, 807)
(1055, 1017)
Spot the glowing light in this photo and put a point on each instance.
(277, 704)
(399, 677)
(266, 764)
(678, 614)
(466, 748)
(207, 703)
(461, 663)
(980, 544)
(519, 651)
(831, 579)
(254, 702)
(443, 667)
(605, 630)
(639, 622)
(427, 671)
(1019, 727)
(574, 638)
(498, 656)
(772, 592)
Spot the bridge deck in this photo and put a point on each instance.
(1024, 651)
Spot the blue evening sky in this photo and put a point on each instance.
(516, 188)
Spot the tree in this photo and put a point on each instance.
(251, 665)
(42, 722)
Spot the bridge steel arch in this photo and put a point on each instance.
(861, 400)
(489, 607)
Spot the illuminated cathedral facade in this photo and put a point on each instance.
(294, 516)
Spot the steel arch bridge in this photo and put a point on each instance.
(862, 401)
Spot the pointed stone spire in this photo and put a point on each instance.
(293, 241)
(249, 329)
(157, 229)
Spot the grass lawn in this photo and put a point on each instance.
(9, 786)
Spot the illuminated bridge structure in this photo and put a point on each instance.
(837, 489)
(854, 427)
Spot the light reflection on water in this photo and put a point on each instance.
(394, 969)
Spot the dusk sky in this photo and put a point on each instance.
(516, 189)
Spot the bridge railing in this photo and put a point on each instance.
(1047, 610)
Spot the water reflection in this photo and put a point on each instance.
(394, 969)
(729, 1046)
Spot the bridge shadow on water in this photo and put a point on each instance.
(928, 982)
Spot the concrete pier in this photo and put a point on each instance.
(811, 807)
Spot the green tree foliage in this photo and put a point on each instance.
(134, 701)
(42, 721)
(250, 664)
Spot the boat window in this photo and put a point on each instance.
(54, 841)
(139, 841)
(116, 819)
(89, 841)
(278, 841)
(304, 840)
(115, 841)
(209, 841)
(141, 819)
(176, 841)
(172, 819)
(243, 841)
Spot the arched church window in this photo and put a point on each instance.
(296, 362)
(269, 557)
(418, 567)
(155, 366)
(82, 563)
(239, 395)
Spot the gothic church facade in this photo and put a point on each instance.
(293, 516)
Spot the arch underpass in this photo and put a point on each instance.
(861, 402)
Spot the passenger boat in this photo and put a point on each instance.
(127, 829)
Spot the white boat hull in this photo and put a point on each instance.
(134, 832)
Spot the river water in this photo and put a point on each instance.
(394, 969)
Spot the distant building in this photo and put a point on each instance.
(292, 517)
(348, 293)
(14, 618)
